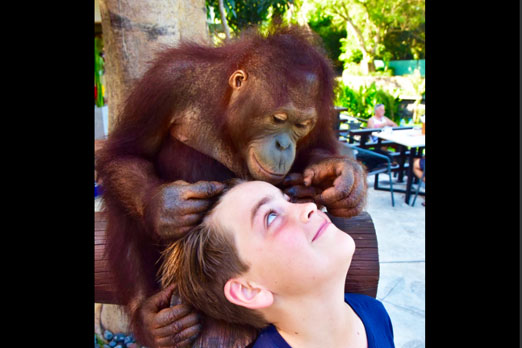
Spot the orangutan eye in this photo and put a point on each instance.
(270, 217)
(279, 118)
(302, 124)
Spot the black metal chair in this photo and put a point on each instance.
(379, 170)
(421, 183)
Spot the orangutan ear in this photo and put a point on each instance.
(237, 79)
(248, 294)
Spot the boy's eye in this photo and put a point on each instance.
(270, 217)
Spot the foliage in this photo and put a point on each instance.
(372, 25)
(350, 54)
(331, 35)
(407, 44)
(355, 69)
(98, 72)
(352, 31)
(361, 103)
(382, 72)
(419, 86)
(243, 14)
(99, 340)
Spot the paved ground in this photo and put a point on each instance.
(400, 236)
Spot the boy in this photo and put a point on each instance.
(259, 259)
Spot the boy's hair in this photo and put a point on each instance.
(200, 263)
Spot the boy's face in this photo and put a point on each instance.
(289, 247)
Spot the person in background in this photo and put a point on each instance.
(378, 120)
(259, 259)
(418, 168)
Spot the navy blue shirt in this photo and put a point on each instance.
(376, 321)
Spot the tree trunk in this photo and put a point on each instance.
(134, 30)
(224, 19)
(367, 64)
(367, 61)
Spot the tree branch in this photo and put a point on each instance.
(355, 30)
(224, 18)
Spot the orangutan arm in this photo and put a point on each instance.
(167, 209)
(130, 181)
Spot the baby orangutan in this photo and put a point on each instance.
(261, 260)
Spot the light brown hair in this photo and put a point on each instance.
(200, 263)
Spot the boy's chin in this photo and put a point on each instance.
(347, 249)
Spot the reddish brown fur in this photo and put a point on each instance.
(140, 154)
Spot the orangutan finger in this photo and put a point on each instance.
(358, 194)
(173, 234)
(347, 213)
(349, 202)
(176, 327)
(190, 333)
(175, 300)
(159, 300)
(333, 194)
(169, 230)
(189, 220)
(184, 344)
(171, 314)
(178, 339)
(303, 200)
(342, 186)
(203, 189)
(293, 179)
(342, 204)
(308, 174)
(190, 206)
(299, 191)
(318, 173)
(354, 198)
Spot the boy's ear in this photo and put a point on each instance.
(248, 294)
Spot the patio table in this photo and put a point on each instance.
(407, 138)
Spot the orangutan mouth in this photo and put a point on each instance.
(268, 173)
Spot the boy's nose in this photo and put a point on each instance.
(307, 210)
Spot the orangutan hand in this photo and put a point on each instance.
(168, 327)
(294, 187)
(178, 206)
(339, 184)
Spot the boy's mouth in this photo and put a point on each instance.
(321, 229)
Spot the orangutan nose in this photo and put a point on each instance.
(283, 142)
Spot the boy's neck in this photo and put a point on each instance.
(314, 320)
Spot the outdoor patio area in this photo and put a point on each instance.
(400, 236)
